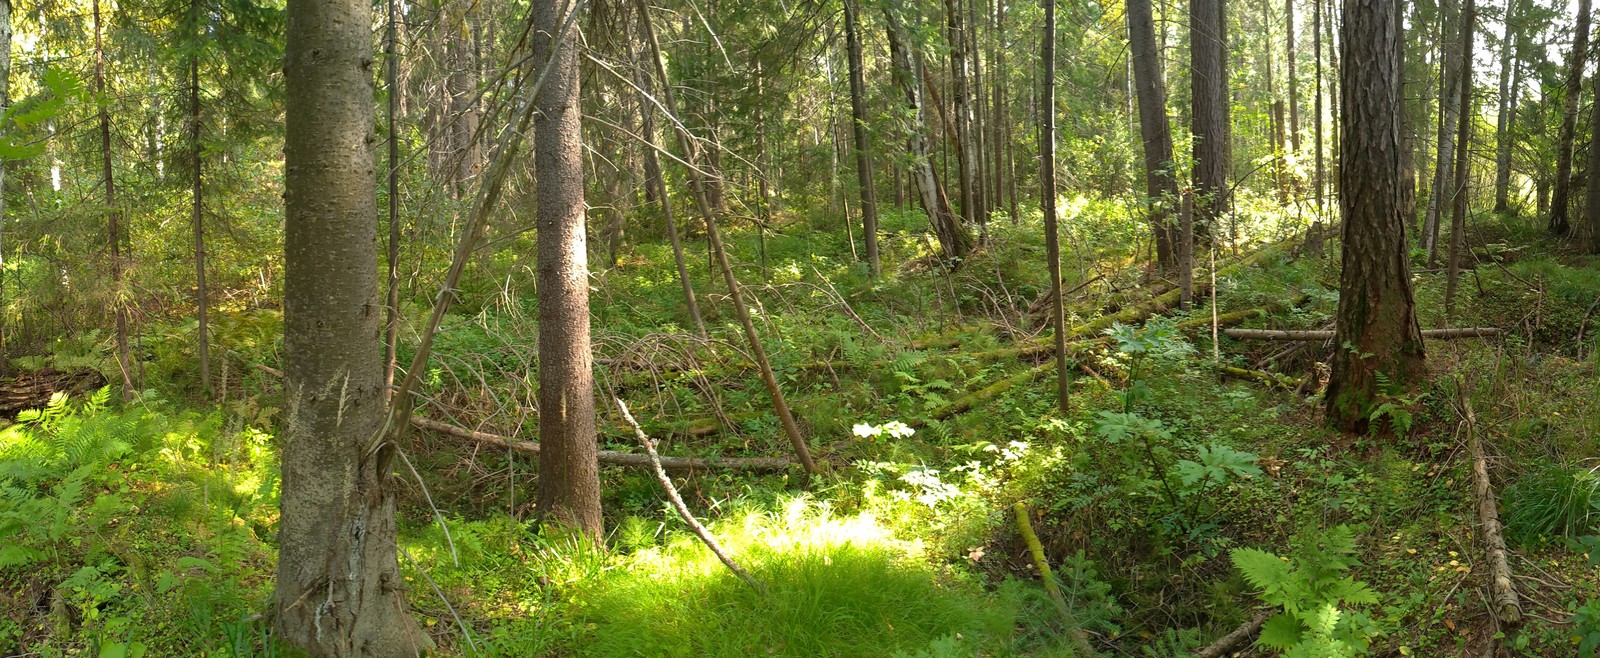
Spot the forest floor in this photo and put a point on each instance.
(929, 398)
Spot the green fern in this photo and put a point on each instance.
(1316, 594)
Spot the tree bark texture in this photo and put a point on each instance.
(858, 116)
(1209, 84)
(1561, 197)
(1376, 325)
(339, 590)
(947, 227)
(1160, 177)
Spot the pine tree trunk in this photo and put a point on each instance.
(858, 115)
(1377, 316)
(1560, 198)
(339, 590)
(1458, 215)
(1161, 185)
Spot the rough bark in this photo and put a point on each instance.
(1460, 197)
(1047, 194)
(569, 477)
(1560, 197)
(118, 305)
(1377, 316)
(339, 590)
(858, 116)
(1160, 177)
(947, 227)
(1209, 84)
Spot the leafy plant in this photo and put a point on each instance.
(1316, 593)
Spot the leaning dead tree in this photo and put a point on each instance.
(702, 201)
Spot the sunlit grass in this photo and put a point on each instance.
(838, 586)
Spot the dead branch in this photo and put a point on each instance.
(1503, 592)
(1316, 335)
(1239, 637)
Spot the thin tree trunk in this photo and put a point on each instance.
(961, 106)
(947, 227)
(1449, 108)
(1047, 185)
(997, 111)
(1561, 197)
(569, 475)
(1589, 228)
(339, 589)
(1458, 215)
(1319, 184)
(391, 321)
(197, 216)
(118, 305)
(858, 121)
(1508, 105)
(1161, 185)
(5, 107)
(1294, 81)
(1377, 316)
(657, 178)
(757, 352)
(1275, 116)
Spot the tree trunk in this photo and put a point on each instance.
(1209, 84)
(569, 475)
(947, 227)
(1160, 179)
(391, 320)
(1377, 316)
(1458, 215)
(1293, 83)
(5, 107)
(1319, 182)
(1508, 105)
(118, 305)
(1560, 198)
(1444, 177)
(997, 110)
(1589, 228)
(657, 179)
(686, 144)
(1047, 202)
(339, 589)
(858, 116)
(961, 106)
(197, 218)
(1280, 173)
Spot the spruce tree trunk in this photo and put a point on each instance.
(1160, 179)
(858, 116)
(569, 473)
(391, 320)
(1377, 316)
(1508, 105)
(1560, 198)
(1458, 215)
(947, 227)
(1209, 84)
(1293, 82)
(1319, 182)
(339, 589)
(118, 305)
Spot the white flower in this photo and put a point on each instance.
(864, 430)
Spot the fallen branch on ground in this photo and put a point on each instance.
(1506, 606)
(677, 502)
(1236, 639)
(1024, 528)
(1260, 376)
(1316, 335)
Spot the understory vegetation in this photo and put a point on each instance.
(1164, 500)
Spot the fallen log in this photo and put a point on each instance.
(1236, 639)
(608, 456)
(1502, 592)
(1259, 376)
(1326, 334)
(32, 390)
